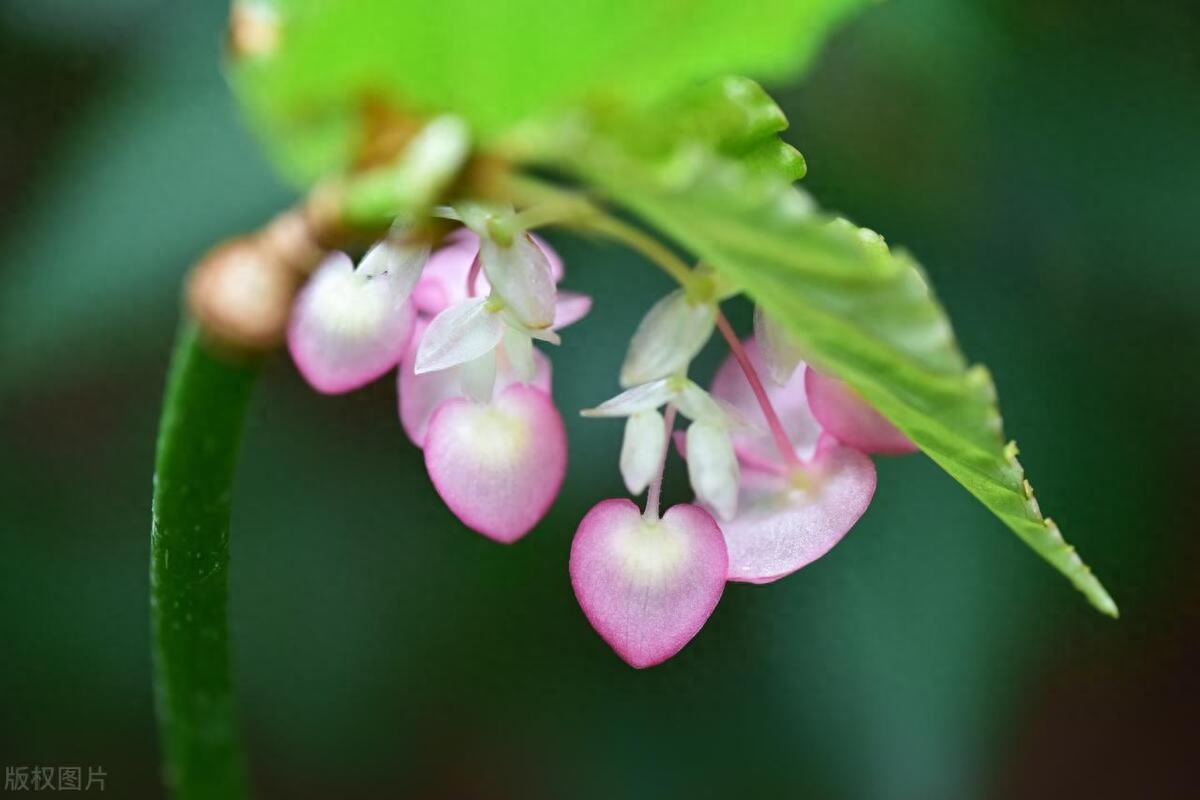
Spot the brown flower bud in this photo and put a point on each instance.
(242, 296)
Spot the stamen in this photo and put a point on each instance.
(782, 442)
(654, 495)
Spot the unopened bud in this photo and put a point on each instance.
(241, 296)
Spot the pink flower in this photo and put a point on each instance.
(790, 511)
(473, 391)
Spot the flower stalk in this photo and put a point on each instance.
(198, 443)
(654, 493)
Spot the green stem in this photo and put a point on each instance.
(198, 442)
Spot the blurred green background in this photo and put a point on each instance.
(1040, 156)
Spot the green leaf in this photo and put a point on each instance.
(496, 64)
(858, 311)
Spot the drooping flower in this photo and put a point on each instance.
(655, 374)
(791, 509)
(475, 393)
(647, 583)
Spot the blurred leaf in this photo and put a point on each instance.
(858, 311)
(334, 65)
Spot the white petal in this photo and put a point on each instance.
(668, 337)
(777, 346)
(541, 334)
(462, 332)
(646, 397)
(642, 450)
(478, 376)
(713, 467)
(518, 349)
(520, 274)
(699, 406)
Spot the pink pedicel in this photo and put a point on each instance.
(787, 521)
(790, 402)
(647, 586)
(848, 417)
(347, 329)
(498, 465)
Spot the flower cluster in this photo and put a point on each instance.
(780, 468)
(458, 326)
(780, 472)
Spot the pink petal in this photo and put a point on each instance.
(570, 308)
(848, 417)
(790, 402)
(443, 282)
(556, 263)
(780, 527)
(498, 465)
(647, 587)
(346, 330)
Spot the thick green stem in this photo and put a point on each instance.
(198, 444)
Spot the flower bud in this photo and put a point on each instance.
(713, 467)
(241, 296)
(667, 339)
(642, 449)
(520, 274)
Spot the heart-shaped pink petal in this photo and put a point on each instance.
(785, 522)
(498, 465)
(347, 329)
(647, 587)
(850, 419)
